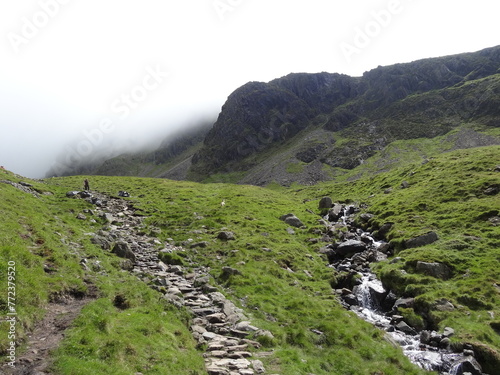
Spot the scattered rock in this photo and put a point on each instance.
(292, 220)
(424, 239)
(226, 236)
(437, 270)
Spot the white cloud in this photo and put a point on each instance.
(79, 57)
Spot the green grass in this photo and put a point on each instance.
(284, 285)
(46, 242)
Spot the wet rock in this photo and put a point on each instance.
(403, 327)
(425, 337)
(468, 365)
(335, 212)
(350, 247)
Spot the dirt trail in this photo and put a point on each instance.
(47, 335)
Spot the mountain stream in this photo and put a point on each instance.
(373, 303)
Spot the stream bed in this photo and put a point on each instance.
(365, 295)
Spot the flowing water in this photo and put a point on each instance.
(428, 357)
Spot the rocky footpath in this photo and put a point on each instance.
(221, 329)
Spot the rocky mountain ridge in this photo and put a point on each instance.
(307, 127)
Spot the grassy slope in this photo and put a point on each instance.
(445, 195)
(150, 337)
(289, 304)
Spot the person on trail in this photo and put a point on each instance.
(86, 185)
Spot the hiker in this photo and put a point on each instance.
(86, 185)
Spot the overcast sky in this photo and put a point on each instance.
(77, 76)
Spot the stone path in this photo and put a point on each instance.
(217, 324)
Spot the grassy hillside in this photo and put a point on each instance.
(283, 283)
(46, 242)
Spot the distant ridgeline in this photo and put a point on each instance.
(308, 128)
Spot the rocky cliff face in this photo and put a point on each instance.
(260, 115)
(425, 98)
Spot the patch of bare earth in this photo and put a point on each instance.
(36, 359)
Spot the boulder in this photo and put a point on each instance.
(422, 240)
(292, 220)
(85, 194)
(444, 305)
(437, 270)
(325, 203)
(122, 249)
(335, 212)
(468, 365)
(404, 303)
(350, 247)
(403, 327)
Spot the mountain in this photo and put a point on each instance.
(308, 128)
(329, 121)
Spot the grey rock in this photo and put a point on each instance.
(325, 203)
(293, 220)
(404, 303)
(403, 327)
(448, 332)
(258, 366)
(424, 239)
(122, 249)
(226, 236)
(335, 212)
(444, 305)
(229, 271)
(437, 270)
(350, 247)
(101, 241)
